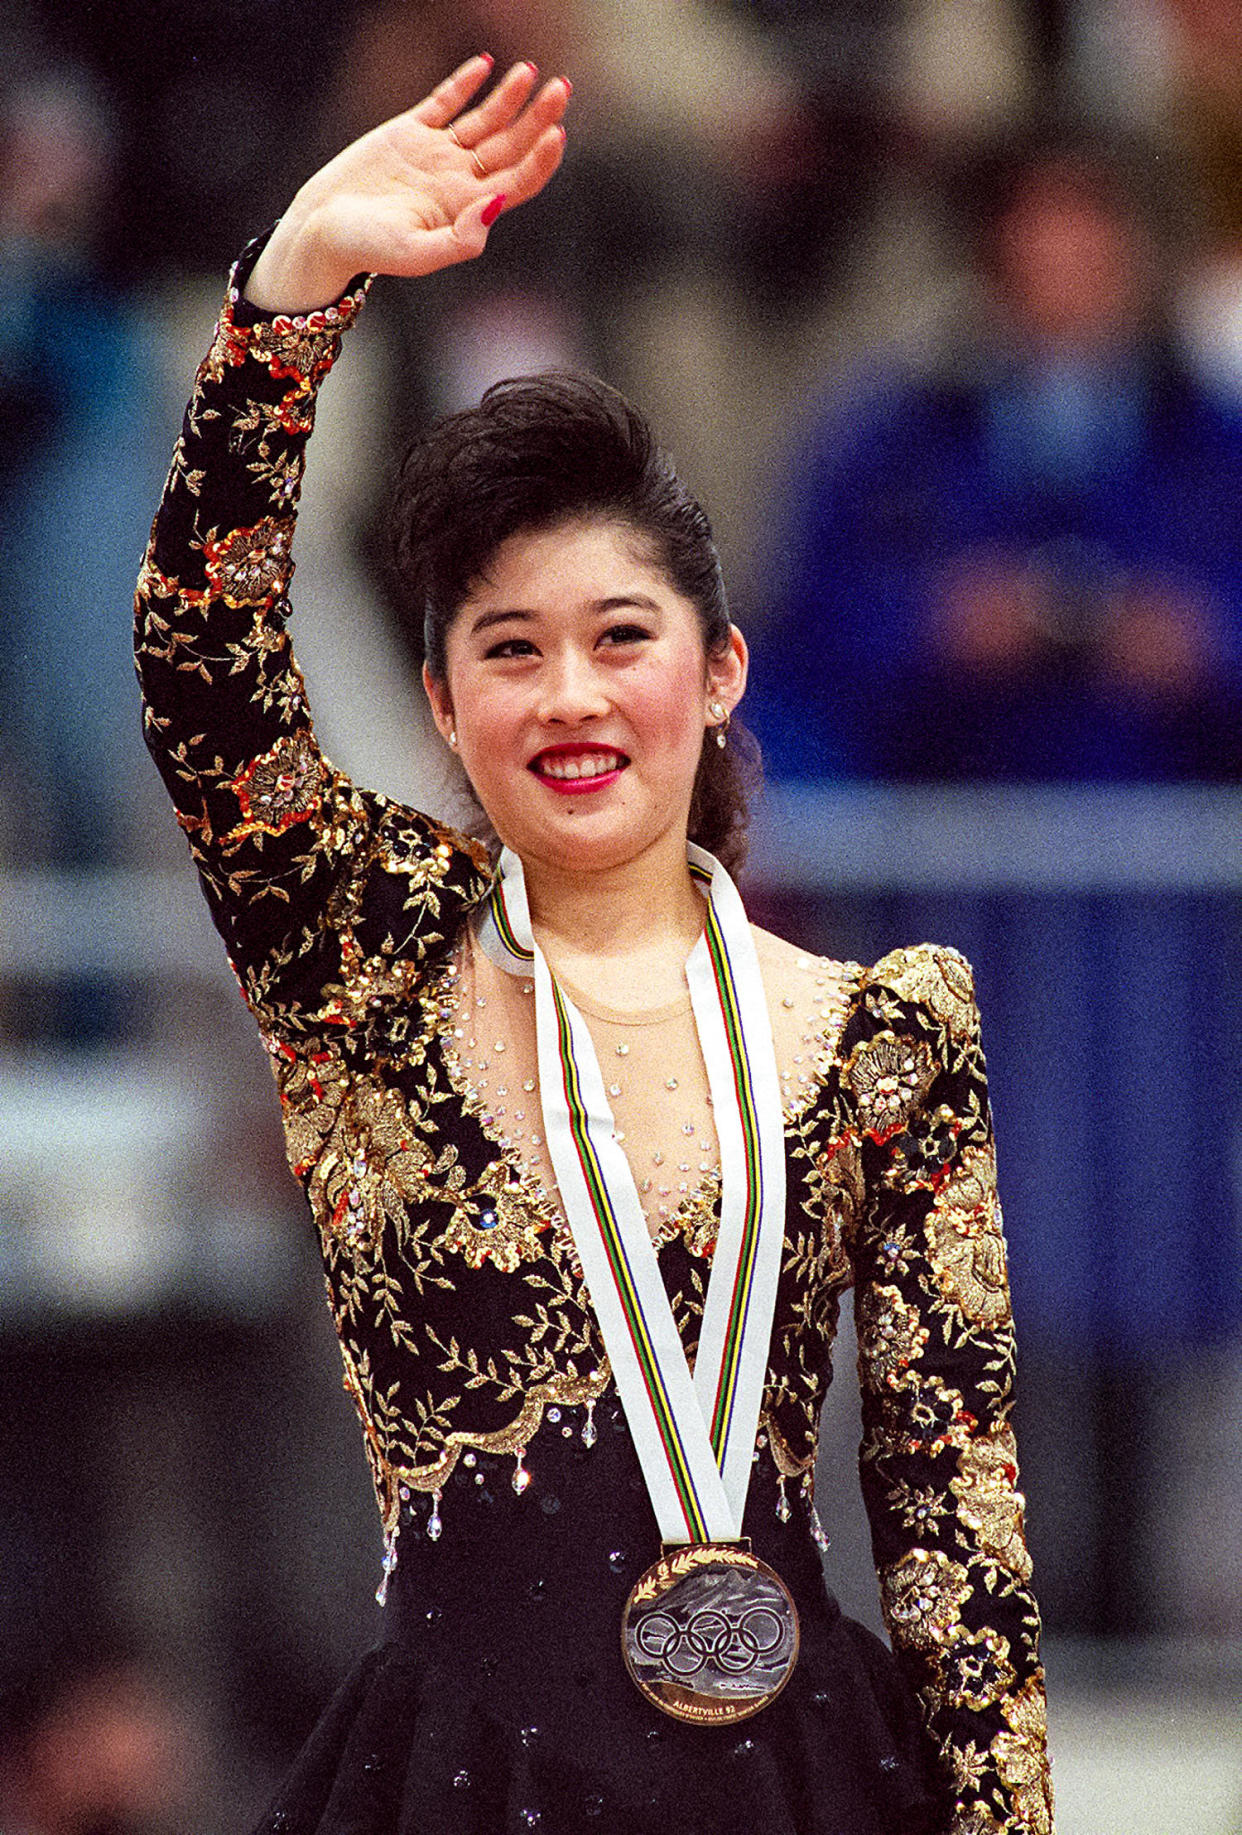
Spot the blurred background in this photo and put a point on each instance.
(939, 305)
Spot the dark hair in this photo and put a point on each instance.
(539, 451)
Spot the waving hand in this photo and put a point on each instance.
(418, 193)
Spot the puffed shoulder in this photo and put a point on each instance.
(933, 976)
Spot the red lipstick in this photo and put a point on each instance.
(545, 765)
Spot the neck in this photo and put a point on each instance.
(621, 930)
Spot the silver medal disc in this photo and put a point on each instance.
(710, 1633)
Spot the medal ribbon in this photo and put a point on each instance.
(695, 1436)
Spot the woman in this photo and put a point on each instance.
(587, 1075)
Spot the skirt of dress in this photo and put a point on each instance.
(498, 1702)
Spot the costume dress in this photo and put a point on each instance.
(513, 1505)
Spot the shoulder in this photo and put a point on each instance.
(412, 882)
(911, 1046)
(797, 975)
(931, 976)
(809, 1000)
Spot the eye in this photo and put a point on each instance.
(625, 634)
(510, 647)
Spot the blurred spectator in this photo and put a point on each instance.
(80, 454)
(1205, 42)
(1023, 561)
(1177, 65)
(97, 1749)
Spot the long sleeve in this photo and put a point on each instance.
(326, 896)
(938, 1461)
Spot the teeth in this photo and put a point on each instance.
(595, 764)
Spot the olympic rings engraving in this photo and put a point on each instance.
(735, 1644)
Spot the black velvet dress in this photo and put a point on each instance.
(513, 1505)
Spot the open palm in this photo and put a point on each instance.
(419, 192)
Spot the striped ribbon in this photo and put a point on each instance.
(695, 1436)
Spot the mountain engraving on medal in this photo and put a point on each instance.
(710, 1634)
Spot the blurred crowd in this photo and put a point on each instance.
(938, 304)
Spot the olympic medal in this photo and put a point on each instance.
(710, 1633)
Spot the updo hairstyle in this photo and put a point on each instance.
(540, 451)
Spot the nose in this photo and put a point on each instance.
(572, 689)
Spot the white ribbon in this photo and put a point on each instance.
(695, 1437)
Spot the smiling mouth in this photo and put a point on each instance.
(587, 768)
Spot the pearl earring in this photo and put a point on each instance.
(720, 715)
(453, 737)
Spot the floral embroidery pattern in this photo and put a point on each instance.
(968, 1243)
(889, 1077)
(250, 566)
(924, 1594)
(989, 1506)
(283, 786)
(892, 1335)
(1022, 1758)
(350, 1140)
(975, 1669)
(495, 1224)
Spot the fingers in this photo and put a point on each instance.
(463, 239)
(466, 237)
(506, 145)
(530, 174)
(448, 98)
(499, 107)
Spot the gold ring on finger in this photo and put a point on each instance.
(479, 167)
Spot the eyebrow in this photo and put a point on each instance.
(600, 607)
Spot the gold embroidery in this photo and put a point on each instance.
(939, 979)
(890, 1334)
(967, 1244)
(975, 1819)
(292, 350)
(920, 1507)
(351, 1142)
(561, 1391)
(974, 1670)
(989, 1506)
(281, 787)
(923, 1597)
(228, 349)
(302, 348)
(496, 1222)
(250, 566)
(840, 1169)
(1022, 1757)
(889, 1077)
(919, 1413)
(968, 1766)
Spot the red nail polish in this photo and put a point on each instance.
(569, 88)
(492, 211)
(533, 68)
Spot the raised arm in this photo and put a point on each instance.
(278, 836)
(935, 1332)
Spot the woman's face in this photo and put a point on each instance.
(578, 689)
